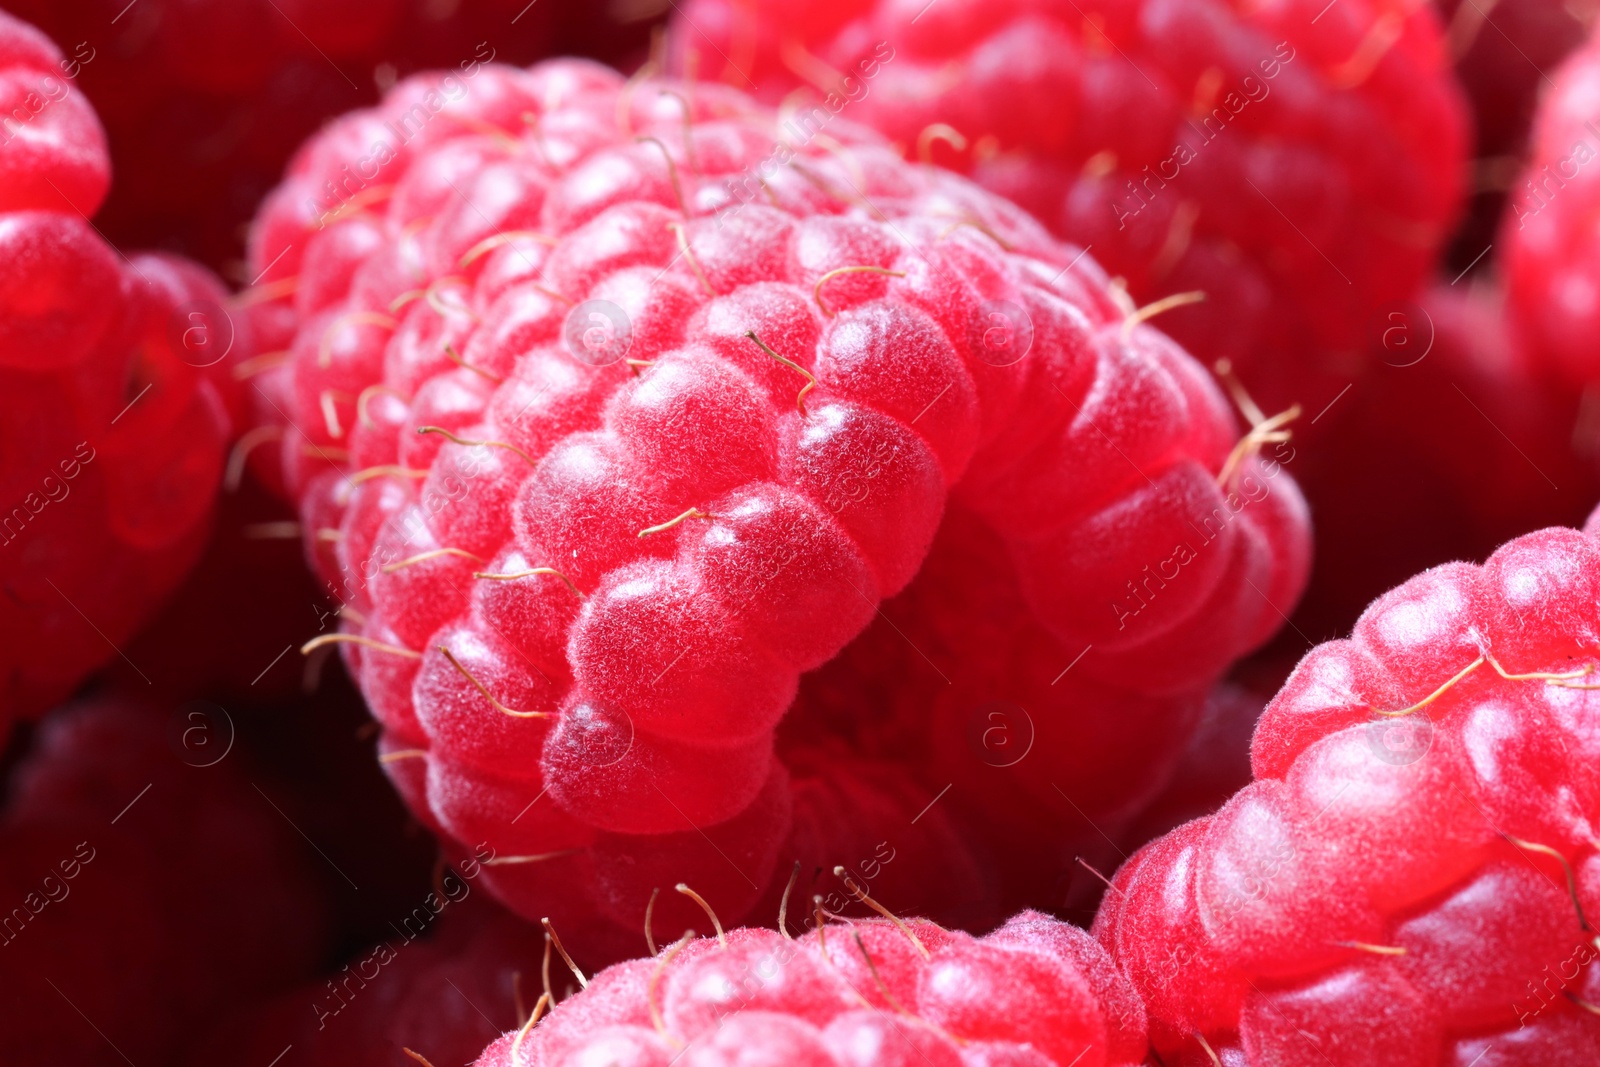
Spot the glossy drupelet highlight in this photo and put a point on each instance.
(1300, 164)
(874, 993)
(1412, 877)
(113, 396)
(600, 458)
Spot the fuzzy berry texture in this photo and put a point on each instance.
(114, 396)
(600, 456)
(1452, 444)
(1299, 165)
(143, 891)
(1548, 237)
(1412, 876)
(205, 100)
(865, 994)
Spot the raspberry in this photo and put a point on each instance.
(221, 91)
(1490, 448)
(1552, 265)
(599, 570)
(1300, 165)
(115, 393)
(873, 992)
(1409, 877)
(123, 860)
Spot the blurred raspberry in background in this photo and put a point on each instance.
(205, 100)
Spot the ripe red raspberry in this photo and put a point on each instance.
(871, 993)
(1452, 444)
(1551, 256)
(1299, 164)
(601, 459)
(143, 889)
(113, 378)
(1410, 878)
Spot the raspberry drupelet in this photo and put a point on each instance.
(601, 458)
(868, 993)
(1299, 165)
(1412, 876)
(114, 396)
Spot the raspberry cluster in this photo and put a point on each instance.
(1301, 165)
(113, 396)
(600, 457)
(860, 994)
(1410, 878)
(121, 858)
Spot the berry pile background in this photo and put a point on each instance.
(859, 533)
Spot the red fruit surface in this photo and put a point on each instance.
(145, 890)
(1409, 878)
(863, 994)
(648, 551)
(1452, 443)
(1548, 239)
(1299, 164)
(205, 100)
(114, 395)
